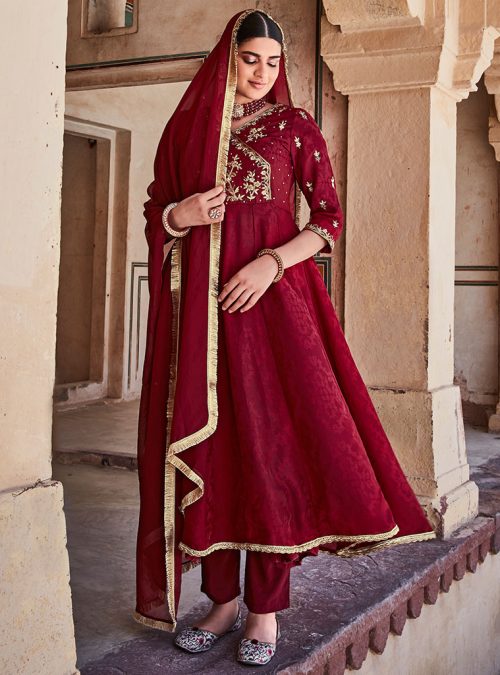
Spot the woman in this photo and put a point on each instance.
(256, 431)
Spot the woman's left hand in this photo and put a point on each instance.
(248, 284)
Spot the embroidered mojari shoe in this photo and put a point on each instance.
(256, 652)
(194, 639)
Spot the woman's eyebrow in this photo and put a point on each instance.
(277, 56)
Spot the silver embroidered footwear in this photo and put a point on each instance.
(194, 639)
(256, 652)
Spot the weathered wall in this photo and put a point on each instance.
(36, 631)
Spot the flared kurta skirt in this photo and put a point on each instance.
(299, 460)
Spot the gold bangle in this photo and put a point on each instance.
(279, 260)
(169, 228)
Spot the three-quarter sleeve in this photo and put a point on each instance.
(314, 174)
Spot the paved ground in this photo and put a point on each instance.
(113, 428)
(101, 508)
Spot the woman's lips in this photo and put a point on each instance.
(257, 85)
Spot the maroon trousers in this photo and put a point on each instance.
(267, 583)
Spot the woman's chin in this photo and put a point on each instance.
(254, 93)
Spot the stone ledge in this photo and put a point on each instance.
(349, 646)
(340, 609)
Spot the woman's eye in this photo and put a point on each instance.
(251, 63)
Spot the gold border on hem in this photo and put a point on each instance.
(350, 552)
(153, 623)
(294, 548)
(346, 551)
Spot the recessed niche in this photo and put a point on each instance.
(109, 17)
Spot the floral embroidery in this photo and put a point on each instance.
(297, 141)
(335, 223)
(282, 125)
(304, 115)
(255, 132)
(251, 185)
(256, 182)
(194, 639)
(233, 166)
(333, 182)
(322, 203)
(317, 155)
(309, 186)
(255, 651)
(323, 232)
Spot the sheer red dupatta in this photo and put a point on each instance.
(180, 361)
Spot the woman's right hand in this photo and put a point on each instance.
(193, 210)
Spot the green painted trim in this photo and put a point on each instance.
(134, 266)
(318, 69)
(139, 60)
(478, 268)
(476, 283)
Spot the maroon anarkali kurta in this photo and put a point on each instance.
(255, 429)
(299, 460)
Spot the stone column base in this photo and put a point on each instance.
(36, 632)
(453, 509)
(427, 434)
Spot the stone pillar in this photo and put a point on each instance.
(36, 627)
(400, 64)
(492, 82)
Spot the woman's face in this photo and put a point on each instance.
(258, 66)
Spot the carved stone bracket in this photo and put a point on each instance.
(388, 44)
(492, 82)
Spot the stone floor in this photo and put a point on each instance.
(113, 425)
(101, 504)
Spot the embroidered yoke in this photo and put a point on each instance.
(267, 153)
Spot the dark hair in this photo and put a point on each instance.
(258, 24)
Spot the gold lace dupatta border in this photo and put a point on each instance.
(173, 461)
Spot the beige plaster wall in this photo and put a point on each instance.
(477, 226)
(36, 630)
(456, 636)
(31, 151)
(144, 110)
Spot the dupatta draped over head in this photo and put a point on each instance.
(182, 331)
